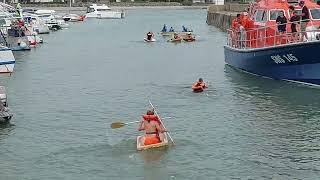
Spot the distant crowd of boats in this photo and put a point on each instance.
(21, 29)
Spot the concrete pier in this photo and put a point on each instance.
(221, 16)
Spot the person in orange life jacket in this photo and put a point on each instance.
(189, 36)
(235, 22)
(153, 128)
(235, 34)
(200, 83)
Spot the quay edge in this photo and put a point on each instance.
(221, 16)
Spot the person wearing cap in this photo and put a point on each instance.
(184, 29)
(149, 36)
(305, 16)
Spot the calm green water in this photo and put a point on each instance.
(66, 93)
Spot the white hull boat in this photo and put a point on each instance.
(103, 12)
(7, 60)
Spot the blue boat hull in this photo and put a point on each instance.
(296, 62)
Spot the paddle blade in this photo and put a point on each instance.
(117, 125)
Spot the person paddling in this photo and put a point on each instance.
(199, 85)
(164, 29)
(149, 36)
(152, 127)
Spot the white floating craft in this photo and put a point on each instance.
(103, 12)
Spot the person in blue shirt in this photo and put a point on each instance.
(164, 29)
(184, 29)
(171, 29)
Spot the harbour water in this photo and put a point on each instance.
(67, 92)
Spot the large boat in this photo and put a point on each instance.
(51, 19)
(36, 23)
(257, 47)
(103, 12)
(7, 60)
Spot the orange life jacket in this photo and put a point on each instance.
(198, 85)
(150, 118)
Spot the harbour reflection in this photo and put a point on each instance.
(5, 130)
(282, 118)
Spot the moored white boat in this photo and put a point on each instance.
(103, 12)
(53, 21)
(36, 23)
(73, 18)
(7, 60)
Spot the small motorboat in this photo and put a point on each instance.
(149, 40)
(73, 18)
(103, 12)
(141, 147)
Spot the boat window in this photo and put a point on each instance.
(264, 16)
(274, 14)
(315, 13)
(260, 15)
(89, 10)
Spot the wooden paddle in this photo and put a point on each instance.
(161, 122)
(117, 125)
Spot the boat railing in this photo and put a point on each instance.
(269, 36)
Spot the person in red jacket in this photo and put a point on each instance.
(153, 128)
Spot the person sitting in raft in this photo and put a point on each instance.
(200, 83)
(149, 36)
(184, 29)
(175, 36)
(153, 128)
(164, 29)
(189, 36)
(171, 29)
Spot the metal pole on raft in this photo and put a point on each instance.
(161, 121)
